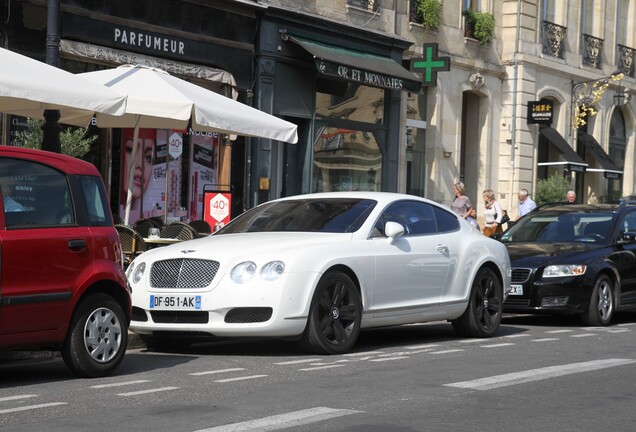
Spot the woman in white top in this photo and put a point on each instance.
(492, 214)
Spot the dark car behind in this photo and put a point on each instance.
(574, 259)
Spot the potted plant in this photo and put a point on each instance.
(482, 25)
(430, 12)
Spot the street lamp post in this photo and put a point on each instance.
(51, 127)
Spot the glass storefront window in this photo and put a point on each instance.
(346, 160)
(351, 101)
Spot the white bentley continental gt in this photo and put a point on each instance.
(318, 268)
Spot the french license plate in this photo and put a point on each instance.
(516, 290)
(175, 302)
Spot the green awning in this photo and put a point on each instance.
(356, 66)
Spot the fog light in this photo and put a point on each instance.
(554, 301)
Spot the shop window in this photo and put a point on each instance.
(351, 102)
(346, 160)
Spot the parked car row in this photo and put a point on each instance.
(315, 268)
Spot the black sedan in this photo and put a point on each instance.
(574, 259)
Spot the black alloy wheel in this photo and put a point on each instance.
(482, 316)
(334, 316)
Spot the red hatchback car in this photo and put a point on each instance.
(62, 285)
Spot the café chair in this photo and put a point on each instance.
(132, 243)
(201, 227)
(178, 230)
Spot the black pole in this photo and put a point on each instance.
(51, 126)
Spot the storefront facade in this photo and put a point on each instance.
(209, 46)
(343, 87)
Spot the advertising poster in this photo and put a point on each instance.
(140, 167)
(203, 172)
(217, 208)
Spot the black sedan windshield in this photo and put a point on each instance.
(558, 227)
(333, 215)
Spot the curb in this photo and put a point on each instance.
(134, 342)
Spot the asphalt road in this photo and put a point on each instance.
(539, 373)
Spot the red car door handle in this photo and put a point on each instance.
(76, 244)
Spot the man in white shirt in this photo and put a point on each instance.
(526, 204)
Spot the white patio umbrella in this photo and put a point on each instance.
(158, 100)
(28, 87)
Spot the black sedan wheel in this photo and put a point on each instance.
(483, 313)
(334, 316)
(601, 309)
(97, 338)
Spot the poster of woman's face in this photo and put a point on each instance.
(137, 167)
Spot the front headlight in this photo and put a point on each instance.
(273, 270)
(138, 272)
(564, 270)
(243, 272)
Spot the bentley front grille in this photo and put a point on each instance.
(183, 273)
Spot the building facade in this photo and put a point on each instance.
(342, 71)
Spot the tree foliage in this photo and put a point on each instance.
(75, 142)
(552, 189)
(431, 12)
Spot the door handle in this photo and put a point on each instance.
(442, 249)
(76, 245)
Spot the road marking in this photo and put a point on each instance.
(293, 362)
(447, 351)
(471, 340)
(539, 374)
(559, 331)
(418, 347)
(284, 421)
(363, 353)
(583, 335)
(17, 397)
(30, 407)
(517, 335)
(321, 367)
(497, 345)
(217, 371)
(240, 378)
(140, 392)
(120, 384)
(545, 340)
(390, 358)
(626, 324)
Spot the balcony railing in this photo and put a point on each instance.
(553, 36)
(372, 5)
(625, 60)
(592, 51)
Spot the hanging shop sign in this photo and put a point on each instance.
(540, 112)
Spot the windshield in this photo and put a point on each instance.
(333, 215)
(558, 227)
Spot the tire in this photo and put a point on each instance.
(601, 308)
(96, 341)
(334, 318)
(485, 307)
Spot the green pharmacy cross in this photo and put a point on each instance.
(430, 64)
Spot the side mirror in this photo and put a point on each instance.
(627, 237)
(393, 230)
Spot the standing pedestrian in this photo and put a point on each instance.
(526, 204)
(462, 205)
(492, 214)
